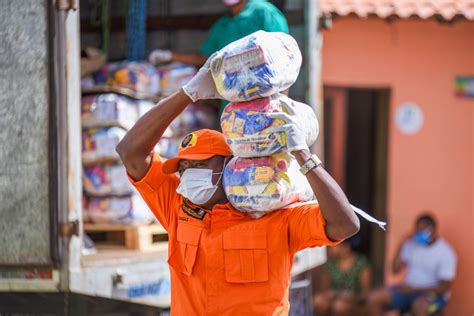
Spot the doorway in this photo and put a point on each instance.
(355, 147)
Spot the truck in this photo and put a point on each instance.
(43, 266)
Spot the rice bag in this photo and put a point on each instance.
(102, 108)
(100, 143)
(173, 76)
(258, 186)
(106, 179)
(256, 66)
(251, 133)
(118, 210)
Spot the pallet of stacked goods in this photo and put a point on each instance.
(114, 213)
(114, 98)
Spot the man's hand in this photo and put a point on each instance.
(202, 86)
(406, 289)
(295, 137)
(160, 56)
(341, 221)
(397, 264)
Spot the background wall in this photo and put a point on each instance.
(433, 169)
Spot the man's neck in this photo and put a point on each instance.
(236, 9)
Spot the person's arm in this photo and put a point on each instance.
(398, 263)
(341, 221)
(442, 288)
(135, 148)
(325, 280)
(365, 281)
(165, 56)
(195, 59)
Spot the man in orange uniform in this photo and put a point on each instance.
(223, 262)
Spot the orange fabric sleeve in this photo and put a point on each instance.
(307, 228)
(159, 191)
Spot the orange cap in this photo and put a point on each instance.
(199, 145)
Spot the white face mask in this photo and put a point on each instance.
(230, 3)
(196, 185)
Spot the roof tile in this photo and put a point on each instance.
(424, 9)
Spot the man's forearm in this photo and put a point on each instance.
(442, 288)
(397, 264)
(195, 59)
(137, 144)
(341, 221)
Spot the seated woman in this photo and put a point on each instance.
(343, 284)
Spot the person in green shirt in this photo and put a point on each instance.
(244, 18)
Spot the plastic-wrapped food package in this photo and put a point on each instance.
(106, 179)
(109, 210)
(195, 116)
(257, 186)
(97, 109)
(173, 76)
(256, 66)
(118, 210)
(100, 143)
(251, 133)
(137, 76)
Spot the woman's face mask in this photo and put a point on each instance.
(196, 184)
(423, 237)
(230, 3)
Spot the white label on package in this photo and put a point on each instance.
(251, 58)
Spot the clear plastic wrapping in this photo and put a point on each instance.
(251, 133)
(138, 76)
(258, 186)
(106, 180)
(100, 143)
(117, 210)
(109, 107)
(195, 116)
(173, 76)
(258, 65)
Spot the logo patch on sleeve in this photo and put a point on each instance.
(189, 140)
(194, 212)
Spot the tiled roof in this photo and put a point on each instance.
(424, 9)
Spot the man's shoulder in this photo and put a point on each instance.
(445, 247)
(260, 6)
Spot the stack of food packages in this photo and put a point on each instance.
(251, 73)
(109, 196)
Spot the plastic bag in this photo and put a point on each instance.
(100, 143)
(109, 107)
(256, 66)
(137, 76)
(119, 210)
(195, 116)
(174, 76)
(106, 179)
(251, 133)
(258, 186)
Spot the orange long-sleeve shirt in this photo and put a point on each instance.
(223, 262)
